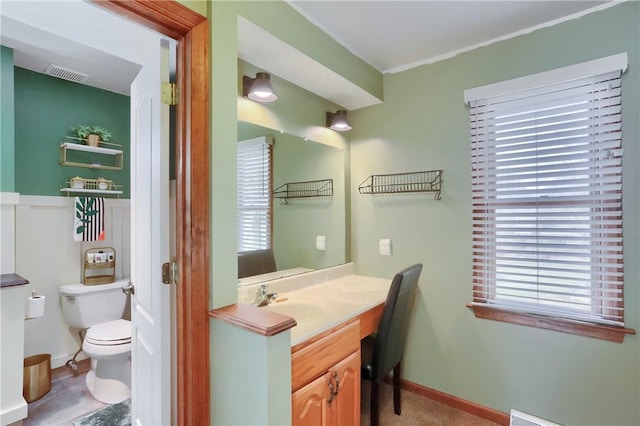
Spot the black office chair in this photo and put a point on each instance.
(383, 351)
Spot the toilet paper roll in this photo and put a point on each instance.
(35, 306)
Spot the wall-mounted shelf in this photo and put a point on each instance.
(98, 186)
(305, 189)
(89, 191)
(114, 157)
(424, 181)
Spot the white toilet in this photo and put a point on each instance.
(100, 309)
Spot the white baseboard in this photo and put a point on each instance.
(14, 414)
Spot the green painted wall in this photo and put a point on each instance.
(7, 154)
(565, 378)
(45, 110)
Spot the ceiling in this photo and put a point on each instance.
(77, 36)
(398, 35)
(390, 35)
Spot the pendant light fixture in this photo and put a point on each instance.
(338, 121)
(258, 89)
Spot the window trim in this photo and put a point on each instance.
(610, 333)
(613, 333)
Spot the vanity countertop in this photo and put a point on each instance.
(322, 306)
(10, 280)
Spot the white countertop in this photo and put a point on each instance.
(321, 306)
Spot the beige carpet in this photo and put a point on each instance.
(416, 411)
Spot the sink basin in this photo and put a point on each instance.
(299, 310)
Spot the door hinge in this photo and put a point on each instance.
(169, 93)
(170, 273)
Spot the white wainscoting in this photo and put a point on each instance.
(47, 256)
(8, 202)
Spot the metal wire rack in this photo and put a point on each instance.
(100, 186)
(424, 181)
(305, 189)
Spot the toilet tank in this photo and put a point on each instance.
(86, 305)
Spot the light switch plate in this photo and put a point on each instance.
(385, 247)
(321, 242)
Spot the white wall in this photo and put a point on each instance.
(47, 256)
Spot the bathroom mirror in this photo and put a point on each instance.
(297, 223)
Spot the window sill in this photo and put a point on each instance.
(597, 331)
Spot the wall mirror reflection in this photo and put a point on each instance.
(277, 239)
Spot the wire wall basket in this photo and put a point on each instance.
(424, 181)
(101, 186)
(306, 189)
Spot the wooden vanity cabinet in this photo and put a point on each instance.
(326, 379)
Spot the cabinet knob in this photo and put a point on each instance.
(335, 376)
(331, 394)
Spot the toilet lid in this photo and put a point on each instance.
(110, 333)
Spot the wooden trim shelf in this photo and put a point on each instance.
(9, 280)
(252, 318)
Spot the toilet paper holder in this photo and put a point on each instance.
(35, 306)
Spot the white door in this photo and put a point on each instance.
(150, 303)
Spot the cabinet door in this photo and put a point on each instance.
(310, 404)
(345, 408)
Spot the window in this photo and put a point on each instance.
(547, 197)
(254, 194)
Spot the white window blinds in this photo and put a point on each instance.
(547, 199)
(254, 194)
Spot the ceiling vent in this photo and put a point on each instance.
(66, 73)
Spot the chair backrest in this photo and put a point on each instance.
(392, 330)
(255, 262)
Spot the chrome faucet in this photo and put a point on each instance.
(263, 298)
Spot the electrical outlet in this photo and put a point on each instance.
(321, 242)
(385, 247)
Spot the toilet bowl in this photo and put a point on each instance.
(100, 310)
(108, 344)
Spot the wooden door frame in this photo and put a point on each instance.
(191, 31)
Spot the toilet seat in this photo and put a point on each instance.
(109, 333)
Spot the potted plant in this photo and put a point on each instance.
(92, 134)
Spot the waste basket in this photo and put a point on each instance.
(36, 376)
